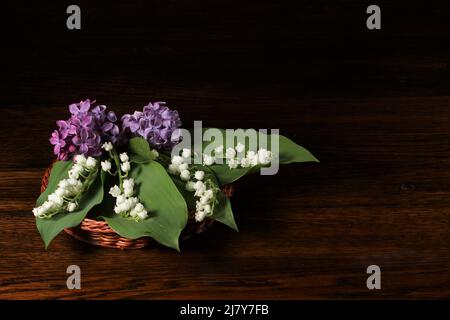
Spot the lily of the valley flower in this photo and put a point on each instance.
(70, 190)
(235, 157)
(106, 165)
(127, 205)
(125, 166)
(107, 146)
(204, 191)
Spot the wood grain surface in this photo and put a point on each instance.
(373, 106)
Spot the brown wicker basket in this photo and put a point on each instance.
(97, 232)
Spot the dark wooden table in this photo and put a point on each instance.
(373, 106)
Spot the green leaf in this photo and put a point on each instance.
(108, 202)
(50, 228)
(187, 195)
(181, 185)
(59, 171)
(166, 206)
(225, 175)
(289, 152)
(292, 152)
(222, 210)
(139, 150)
(223, 213)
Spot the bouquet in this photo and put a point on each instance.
(144, 176)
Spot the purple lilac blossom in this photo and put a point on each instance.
(156, 123)
(85, 131)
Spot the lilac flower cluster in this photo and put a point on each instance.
(85, 131)
(156, 123)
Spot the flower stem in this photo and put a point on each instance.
(164, 159)
(115, 156)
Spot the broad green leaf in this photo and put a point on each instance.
(166, 206)
(59, 171)
(108, 202)
(225, 175)
(139, 150)
(223, 213)
(289, 152)
(50, 228)
(187, 195)
(181, 185)
(292, 152)
(222, 210)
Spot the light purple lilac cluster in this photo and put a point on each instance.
(90, 126)
(85, 131)
(156, 123)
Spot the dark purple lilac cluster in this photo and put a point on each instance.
(156, 123)
(85, 131)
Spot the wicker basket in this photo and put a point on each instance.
(97, 232)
